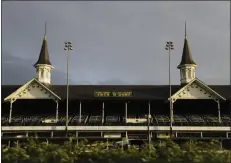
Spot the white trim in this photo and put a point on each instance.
(48, 89)
(173, 97)
(114, 128)
(15, 93)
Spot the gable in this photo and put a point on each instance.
(32, 90)
(196, 90)
(193, 91)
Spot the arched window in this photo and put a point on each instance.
(47, 73)
(189, 73)
(42, 73)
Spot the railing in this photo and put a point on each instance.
(115, 128)
(87, 120)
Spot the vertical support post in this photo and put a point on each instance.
(172, 111)
(149, 116)
(52, 134)
(57, 111)
(219, 111)
(221, 145)
(170, 91)
(126, 112)
(17, 144)
(201, 134)
(80, 111)
(107, 144)
(126, 116)
(10, 115)
(103, 113)
(171, 115)
(36, 135)
(77, 137)
(76, 134)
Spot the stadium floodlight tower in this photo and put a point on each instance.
(67, 47)
(169, 46)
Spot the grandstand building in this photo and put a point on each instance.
(38, 108)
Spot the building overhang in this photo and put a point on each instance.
(196, 89)
(33, 89)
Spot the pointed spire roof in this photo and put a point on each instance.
(186, 55)
(44, 55)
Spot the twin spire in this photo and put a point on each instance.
(185, 32)
(45, 31)
(186, 55)
(186, 59)
(44, 55)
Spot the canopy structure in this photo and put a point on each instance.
(33, 89)
(196, 89)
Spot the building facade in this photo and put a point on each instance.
(38, 108)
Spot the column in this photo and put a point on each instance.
(219, 111)
(52, 134)
(57, 111)
(126, 112)
(80, 111)
(172, 114)
(10, 115)
(126, 116)
(103, 113)
(149, 115)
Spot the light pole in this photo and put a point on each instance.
(67, 47)
(169, 47)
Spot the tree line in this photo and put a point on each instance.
(35, 151)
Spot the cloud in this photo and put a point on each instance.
(17, 71)
(120, 41)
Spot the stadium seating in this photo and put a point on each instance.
(180, 120)
(95, 120)
(77, 120)
(112, 120)
(195, 120)
(211, 120)
(226, 120)
(162, 120)
(115, 120)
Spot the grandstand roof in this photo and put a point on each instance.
(139, 92)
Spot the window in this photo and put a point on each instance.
(189, 73)
(42, 73)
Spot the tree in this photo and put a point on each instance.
(14, 154)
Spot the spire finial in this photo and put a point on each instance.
(45, 31)
(185, 32)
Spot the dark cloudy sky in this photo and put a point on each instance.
(116, 42)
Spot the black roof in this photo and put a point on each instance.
(186, 55)
(44, 55)
(139, 92)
